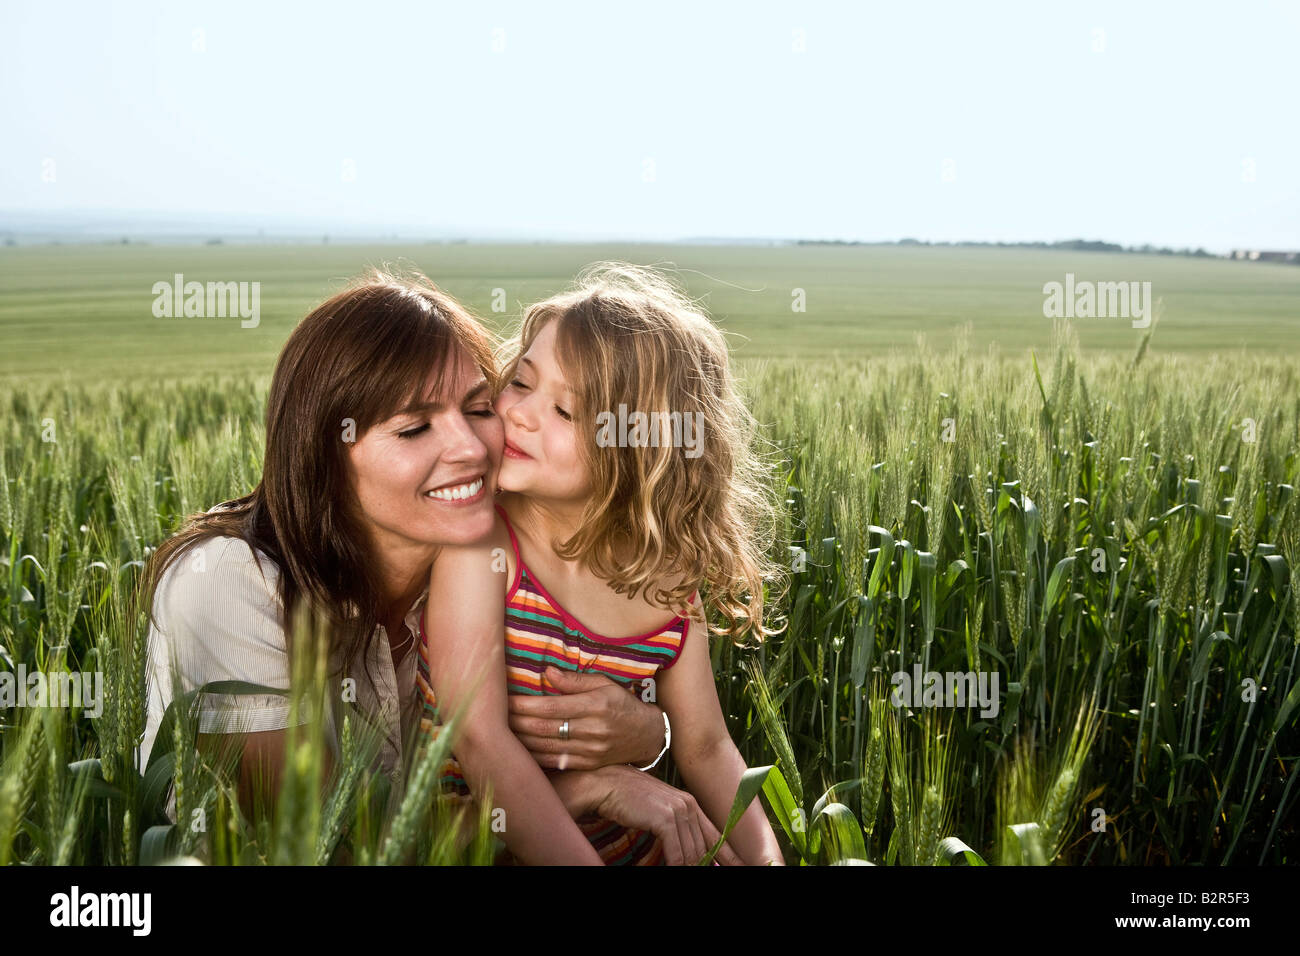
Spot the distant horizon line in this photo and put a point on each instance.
(116, 227)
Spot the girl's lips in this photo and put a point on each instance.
(512, 452)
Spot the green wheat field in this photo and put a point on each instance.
(1103, 516)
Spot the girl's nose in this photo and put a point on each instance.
(517, 414)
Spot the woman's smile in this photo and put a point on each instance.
(461, 492)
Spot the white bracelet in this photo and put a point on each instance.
(668, 740)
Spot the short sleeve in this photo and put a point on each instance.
(217, 617)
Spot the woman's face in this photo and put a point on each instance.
(541, 456)
(427, 475)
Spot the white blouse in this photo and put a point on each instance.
(218, 618)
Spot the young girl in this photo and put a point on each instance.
(610, 520)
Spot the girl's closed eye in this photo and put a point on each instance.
(412, 432)
(563, 414)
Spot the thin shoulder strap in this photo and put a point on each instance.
(514, 542)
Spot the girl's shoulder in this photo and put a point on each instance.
(692, 600)
(506, 537)
(668, 583)
(493, 554)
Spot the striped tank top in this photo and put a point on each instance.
(540, 633)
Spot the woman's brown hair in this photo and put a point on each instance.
(355, 360)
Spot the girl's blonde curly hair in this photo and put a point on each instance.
(627, 335)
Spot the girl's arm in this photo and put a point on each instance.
(709, 762)
(465, 651)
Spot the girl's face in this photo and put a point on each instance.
(541, 456)
(427, 475)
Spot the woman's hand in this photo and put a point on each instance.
(607, 725)
(635, 799)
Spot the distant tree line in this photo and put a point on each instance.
(1069, 245)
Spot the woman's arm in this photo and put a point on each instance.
(261, 765)
(625, 795)
(465, 651)
(709, 762)
(217, 618)
(607, 725)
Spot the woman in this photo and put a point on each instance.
(380, 400)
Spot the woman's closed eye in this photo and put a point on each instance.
(420, 429)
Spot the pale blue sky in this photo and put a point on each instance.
(1180, 130)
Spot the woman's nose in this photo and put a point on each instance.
(462, 439)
